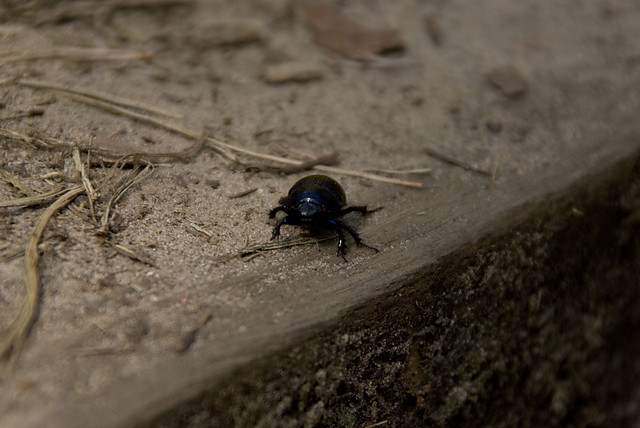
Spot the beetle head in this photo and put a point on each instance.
(308, 207)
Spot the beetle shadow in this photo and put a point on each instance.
(328, 237)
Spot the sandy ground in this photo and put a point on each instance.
(108, 313)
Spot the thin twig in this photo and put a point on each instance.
(18, 331)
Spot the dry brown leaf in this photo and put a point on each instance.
(336, 32)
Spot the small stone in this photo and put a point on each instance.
(213, 183)
(494, 126)
(508, 80)
(291, 72)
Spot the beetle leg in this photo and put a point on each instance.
(273, 212)
(342, 245)
(362, 209)
(355, 236)
(285, 220)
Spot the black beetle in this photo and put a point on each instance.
(318, 200)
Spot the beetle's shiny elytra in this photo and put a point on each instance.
(318, 200)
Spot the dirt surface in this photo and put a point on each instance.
(526, 97)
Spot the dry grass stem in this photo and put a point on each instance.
(74, 54)
(102, 157)
(117, 101)
(91, 193)
(15, 182)
(133, 177)
(243, 193)
(403, 171)
(322, 168)
(494, 170)
(198, 230)
(214, 143)
(99, 351)
(10, 133)
(13, 339)
(276, 245)
(455, 162)
(133, 255)
(378, 424)
(91, 10)
(372, 177)
(330, 159)
(10, 253)
(32, 200)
